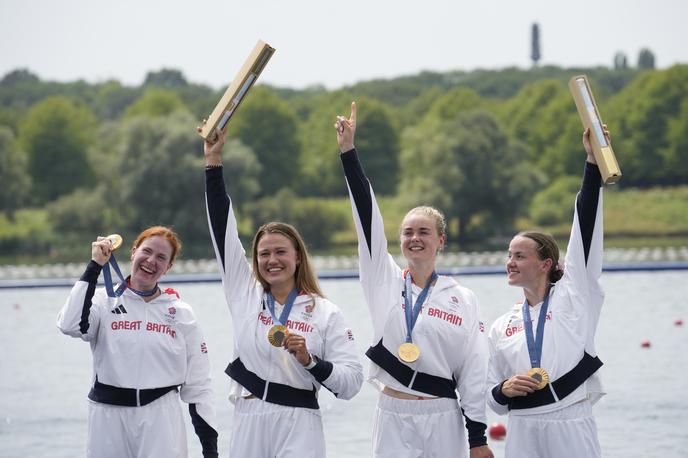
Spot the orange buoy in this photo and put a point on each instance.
(497, 431)
(678, 322)
(645, 343)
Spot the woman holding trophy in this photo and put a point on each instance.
(543, 360)
(289, 340)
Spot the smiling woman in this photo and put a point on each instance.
(415, 362)
(147, 347)
(289, 339)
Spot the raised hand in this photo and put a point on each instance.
(101, 250)
(213, 151)
(346, 130)
(588, 146)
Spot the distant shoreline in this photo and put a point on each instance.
(346, 267)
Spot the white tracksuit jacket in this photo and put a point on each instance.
(448, 331)
(143, 345)
(328, 337)
(572, 316)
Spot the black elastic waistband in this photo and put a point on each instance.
(563, 386)
(425, 383)
(277, 393)
(114, 395)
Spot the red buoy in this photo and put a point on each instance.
(645, 343)
(497, 431)
(678, 322)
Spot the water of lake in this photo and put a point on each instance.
(45, 376)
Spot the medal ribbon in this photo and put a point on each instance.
(535, 344)
(123, 283)
(413, 312)
(111, 292)
(287, 306)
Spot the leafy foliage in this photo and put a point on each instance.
(56, 134)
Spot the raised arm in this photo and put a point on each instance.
(237, 279)
(376, 265)
(78, 317)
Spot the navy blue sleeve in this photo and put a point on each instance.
(360, 190)
(476, 432)
(205, 432)
(498, 395)
(321, 371)
(586, 204)
(218, 206)
(90, 276)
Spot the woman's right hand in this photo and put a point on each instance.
(213, 151)
(101, 250)
(346, 130)
(519, 385)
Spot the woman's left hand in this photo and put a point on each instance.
(296, 345)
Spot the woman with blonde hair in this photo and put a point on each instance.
(289, 340)
(429, 341)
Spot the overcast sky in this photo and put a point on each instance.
(328, 42)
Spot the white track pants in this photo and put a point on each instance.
(154, 430)
(264, 430)
(570, 432)
(418, 429)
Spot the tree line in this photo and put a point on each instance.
(487, 147)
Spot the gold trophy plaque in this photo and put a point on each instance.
(590, 116)
(235, 93)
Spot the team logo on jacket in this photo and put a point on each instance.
(311, 305)
(119, 309)
(172, 310)
(455, 299)
(204, 348)
(349, 334)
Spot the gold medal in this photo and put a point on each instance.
(277, 334)
(408, 352)
(115, 240)
(540, 376)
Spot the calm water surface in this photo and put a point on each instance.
(45, 376)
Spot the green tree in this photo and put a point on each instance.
(553, 205)
(15, 180)
(376, 135)
(166, 78)
(112, 99)
(315, 219)
(455, 102)
(56, 134)
(675, 154)
(241, 170)
(640, 119)
(155, 103)
(266, 124)
(161, 176)
(470, 169)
